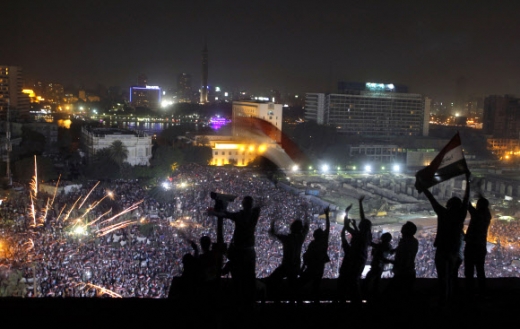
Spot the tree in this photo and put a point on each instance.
(165, 159)
(118, 152)
(102, 166)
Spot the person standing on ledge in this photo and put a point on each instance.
(241, 250)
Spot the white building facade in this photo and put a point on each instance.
(138, 144)
(371, 114)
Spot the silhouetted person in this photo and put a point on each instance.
(361, 237)
(450, 223)
(291, 260)
(208, 264)
(380, 257)
(315, 258)
(241, 250)
(403, 280)
(186, 288)
(475, 250)
(345, 263)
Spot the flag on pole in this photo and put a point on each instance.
(449, 163)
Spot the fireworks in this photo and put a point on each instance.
(100, 291)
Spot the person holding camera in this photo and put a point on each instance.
(241, 251)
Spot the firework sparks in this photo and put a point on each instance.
(88, 194)
(114, 227)
(100, 290)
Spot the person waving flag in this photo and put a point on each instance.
(449, 163)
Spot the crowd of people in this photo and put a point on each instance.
(57, 260)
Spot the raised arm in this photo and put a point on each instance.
(327, 221)
(195, 248)
(361, 211)
(437, 207)
(465, 201)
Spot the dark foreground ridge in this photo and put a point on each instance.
(499, 308)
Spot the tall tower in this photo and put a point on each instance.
(204, 88)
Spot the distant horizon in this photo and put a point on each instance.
(443, 50)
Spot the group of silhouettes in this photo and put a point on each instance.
(298, 273)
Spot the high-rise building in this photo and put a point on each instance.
(204, 87)
(184, 91)
(143, 95)
(501, 117)
(148, 96)
(375, 110)
(11, 92)
(54, 93)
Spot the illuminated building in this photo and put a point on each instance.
(235, 153)
(54, 93)
(138, 144)
(374, 110)
(184, 91)
(504, 148)
(204, 87)
(148, 96)
(256, 131)
(11, 91)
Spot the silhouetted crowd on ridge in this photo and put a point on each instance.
(132, 264)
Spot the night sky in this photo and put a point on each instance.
(292, 46)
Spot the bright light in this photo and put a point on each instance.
(310, 167)
(325, 167)
(396, 168)
(339, 168)
(165, 185)
(383, 168)
(368, 168)
(79, 230)
(295, 168)
(166, 103)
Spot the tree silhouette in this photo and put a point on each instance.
(118, 152)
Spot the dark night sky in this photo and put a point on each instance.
(289, 45)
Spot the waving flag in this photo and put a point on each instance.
(449, 163)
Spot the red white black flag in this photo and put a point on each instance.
(449, 163)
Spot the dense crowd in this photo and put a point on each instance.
(57, 260)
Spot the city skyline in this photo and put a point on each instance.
(291, 47)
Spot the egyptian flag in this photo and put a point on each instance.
(449, 163)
